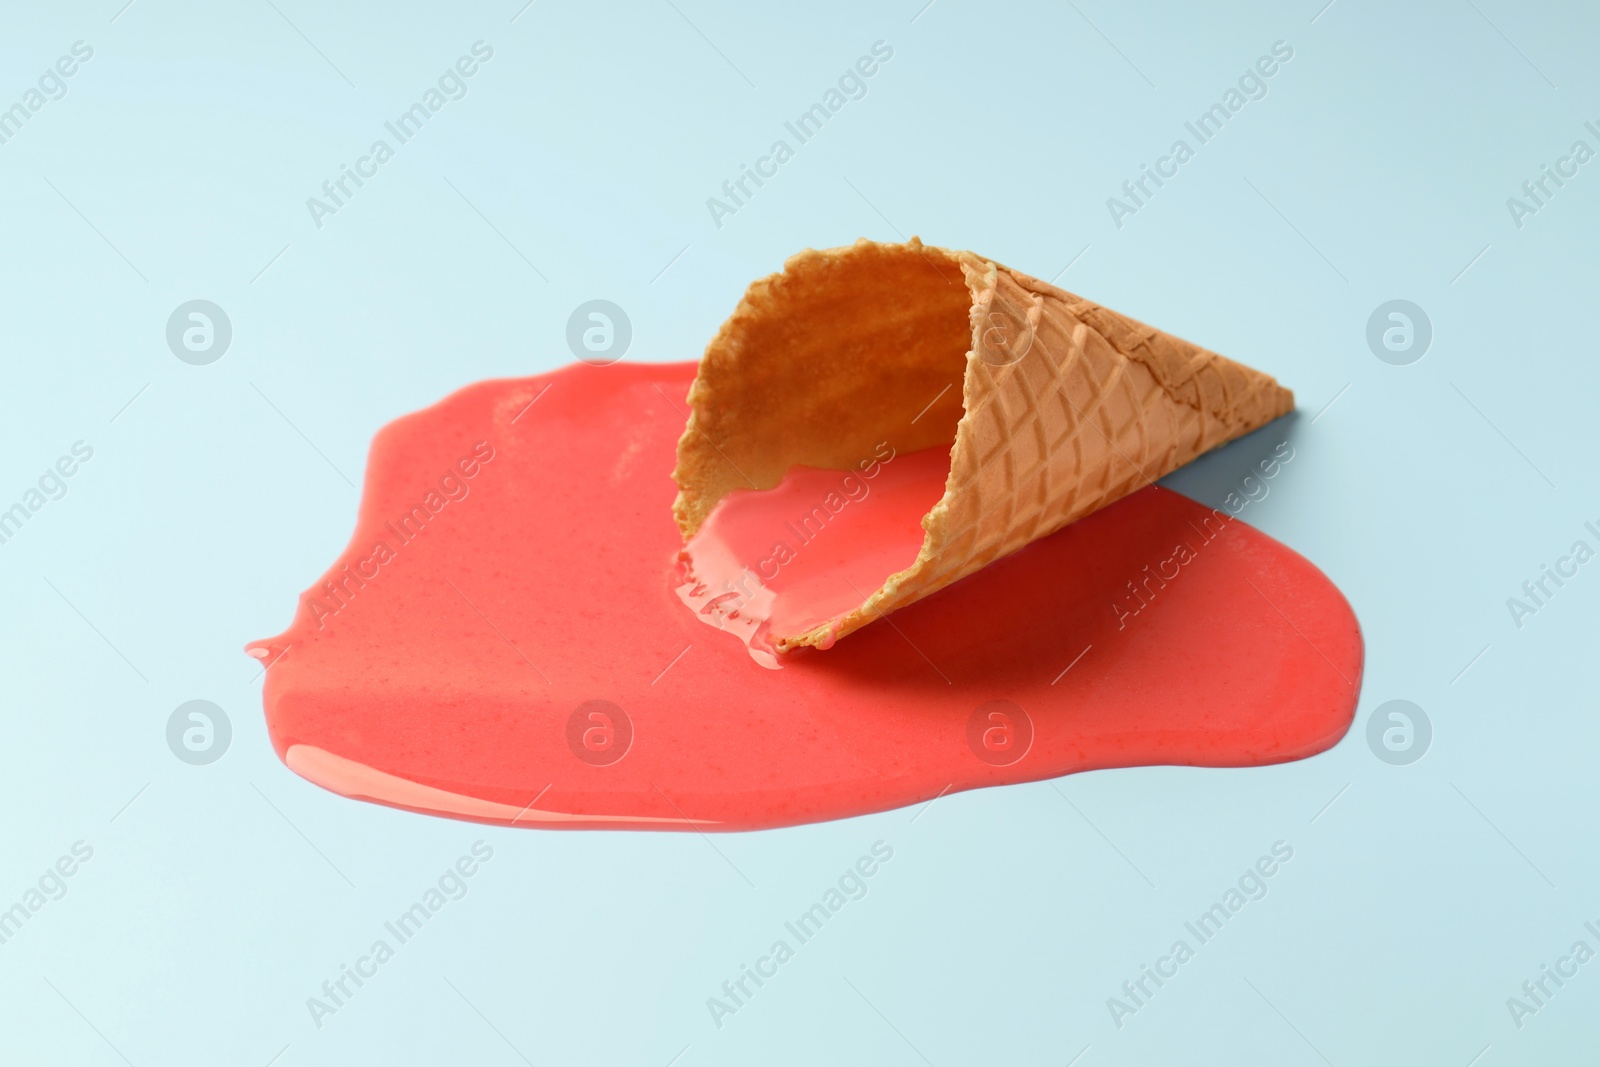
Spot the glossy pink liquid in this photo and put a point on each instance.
(811, 548)
(508, 645)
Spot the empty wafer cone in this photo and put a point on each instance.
(1052, 406)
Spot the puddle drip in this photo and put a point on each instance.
(503, 640)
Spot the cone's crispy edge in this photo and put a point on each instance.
(1053, 406)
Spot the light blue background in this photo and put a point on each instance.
(1378, 167)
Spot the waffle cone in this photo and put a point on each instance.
(1052, 406)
